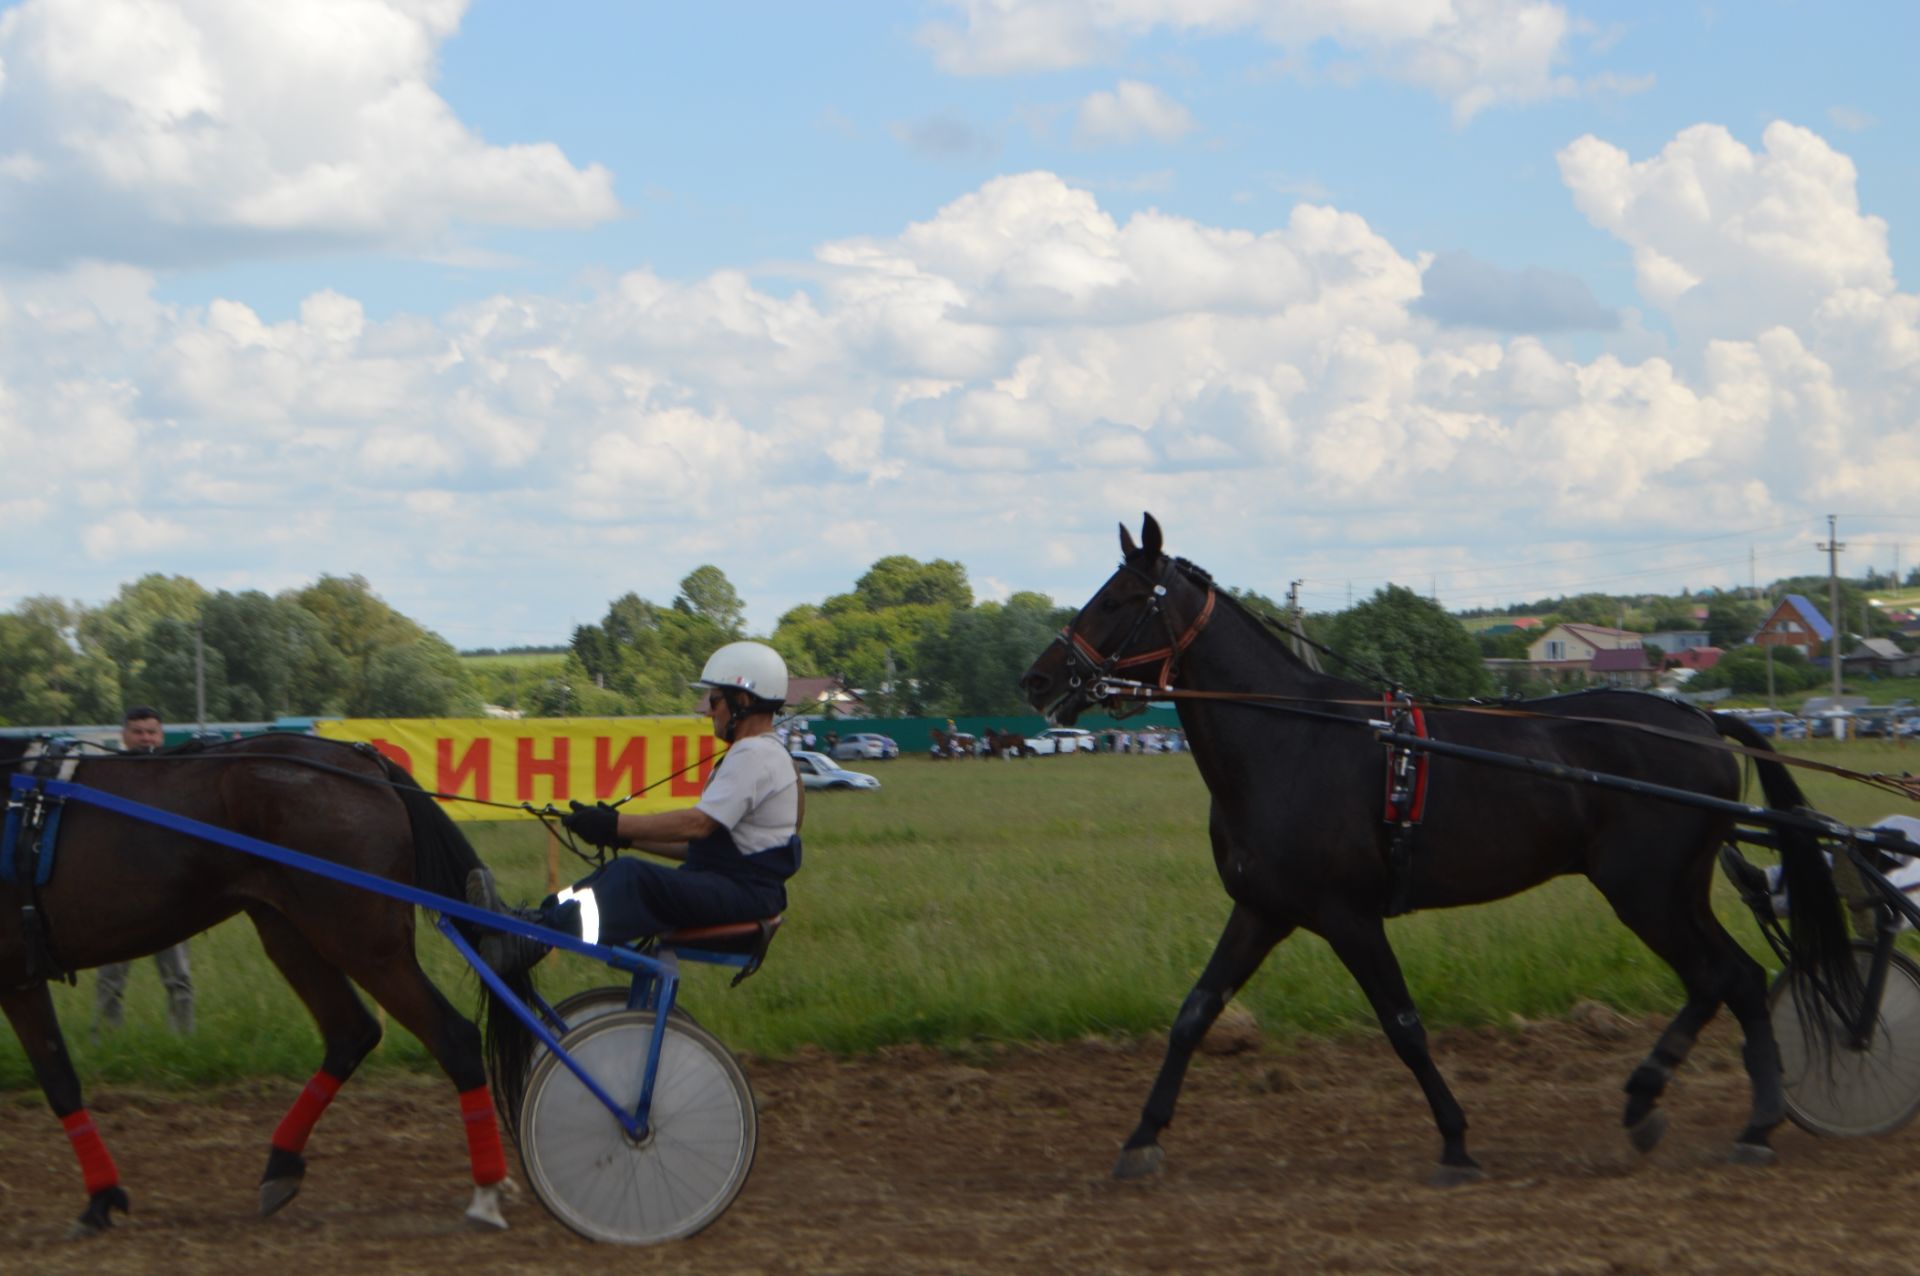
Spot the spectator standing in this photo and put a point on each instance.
(141, 732)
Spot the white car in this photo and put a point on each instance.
(866, 745)
(1061, 740)
(818, 771)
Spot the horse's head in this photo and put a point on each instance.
(1142, 619)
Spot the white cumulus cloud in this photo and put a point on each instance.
(990, 383)
(165, 131)
(1472, 53)
(1129, 112)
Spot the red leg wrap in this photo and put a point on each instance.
(483, 1136)
(96, 1167)
(297, 1125)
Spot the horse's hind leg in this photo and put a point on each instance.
(1361, 944)
(409, 996)
(30, 1011)
(347, 1030)
(1244, 944)
(1679, 926)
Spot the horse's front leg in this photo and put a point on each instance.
(30, 1011)
(1361, 944)
(1244, 944)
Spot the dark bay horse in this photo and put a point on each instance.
(1299, 838)
(123, 888)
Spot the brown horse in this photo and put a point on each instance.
(1299, 839)
(122, 888)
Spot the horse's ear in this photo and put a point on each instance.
(1150, 537)
(1127, 547)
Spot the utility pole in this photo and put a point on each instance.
(1832, 550)
(200, 675)
(1297, 622)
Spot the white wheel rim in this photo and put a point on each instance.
(671, 1184)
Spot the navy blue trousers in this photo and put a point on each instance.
(639, 897)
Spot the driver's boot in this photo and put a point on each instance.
(509, 955)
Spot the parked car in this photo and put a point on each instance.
(866, 745)
(818, 771)
(1060, 740)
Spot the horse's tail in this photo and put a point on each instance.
(1818, 939)
(442, 859)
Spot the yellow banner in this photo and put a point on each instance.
(542, 760)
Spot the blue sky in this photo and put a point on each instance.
(514, 308)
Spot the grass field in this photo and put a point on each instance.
(963, 903)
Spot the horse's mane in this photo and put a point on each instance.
(1275, 638)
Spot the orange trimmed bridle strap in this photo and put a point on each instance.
(1168, 655)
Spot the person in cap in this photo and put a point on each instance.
(736, 848)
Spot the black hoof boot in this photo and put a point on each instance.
(281, 1183)
(98, 1216)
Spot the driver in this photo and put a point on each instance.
(736, 848)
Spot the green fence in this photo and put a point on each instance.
(915, 735)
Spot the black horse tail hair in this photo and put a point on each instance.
(1818, 939)
(442, 859)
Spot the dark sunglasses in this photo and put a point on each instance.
(715, 697)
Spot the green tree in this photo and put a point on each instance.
(119, 627)
(419, 679)
(1414, 642)
(165, 674)
(974, 665)
(276, 656)
(48, 675)
(1732, 621)
(707, 593)
(357, 624)
(1744, 669)
(645, 655)
(899, 581)
(1587, 609)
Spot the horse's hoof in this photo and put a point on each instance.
(484, 1215)
(1140, 1162)
(275, 1193)
(1456, 1175)
(1646, 1133)
(98, 1216)
(1752, 1154)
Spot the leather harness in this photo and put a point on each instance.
(1406, 779)
(29, 839)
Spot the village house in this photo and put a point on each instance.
(1577, 653)
(1796, 622)
(1882, 658)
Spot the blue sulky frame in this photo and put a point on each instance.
(655, 981)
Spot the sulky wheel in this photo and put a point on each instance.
(591, 1003)
(1841, 1090)
(678, 1178)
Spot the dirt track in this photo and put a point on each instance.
(1298, 1157)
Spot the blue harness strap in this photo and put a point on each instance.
(46, 842)
(10, 835)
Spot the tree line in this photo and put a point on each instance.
(910, 636)
(331, 648)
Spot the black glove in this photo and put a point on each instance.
(596, 825)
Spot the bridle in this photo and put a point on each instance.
(1087, 667)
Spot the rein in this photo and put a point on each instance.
(1083, 656)
(1906, 786)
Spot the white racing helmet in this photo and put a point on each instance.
(752, 667)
